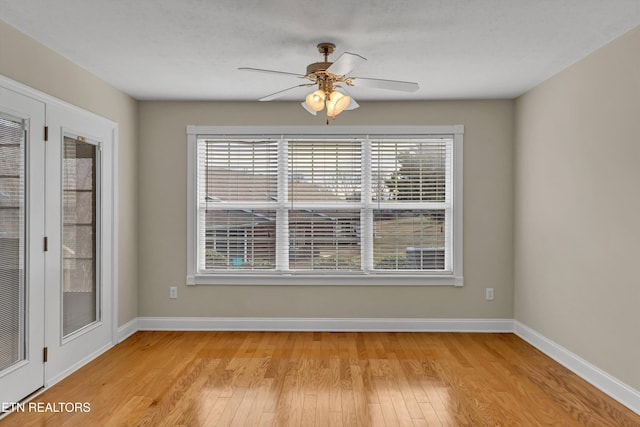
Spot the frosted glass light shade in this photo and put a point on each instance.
(309, 110)
(337, 103)
(315, 100)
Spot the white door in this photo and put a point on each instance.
(80, 229)
(22, 256)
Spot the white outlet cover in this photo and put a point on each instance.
(489, 294)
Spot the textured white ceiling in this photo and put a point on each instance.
(191, 49)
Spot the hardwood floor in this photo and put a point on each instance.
(325, 379)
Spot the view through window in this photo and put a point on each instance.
(339, 203)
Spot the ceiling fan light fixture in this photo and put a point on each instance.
(331, 77)
(336, 103)
(315, 100)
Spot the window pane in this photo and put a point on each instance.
(79, 238)
(409, 170)
(324, 171)
(324, 240)
(12, 241)
(409, 240)
(240, 239)
(238, 171)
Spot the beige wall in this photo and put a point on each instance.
(488, 216)
(577, 209)
(26, 61)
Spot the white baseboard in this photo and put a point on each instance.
(594, 375)
(128, 329)
(322, 324)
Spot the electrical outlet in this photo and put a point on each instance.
(173, 292)
(489, 294)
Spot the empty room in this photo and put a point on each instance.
(340, 213)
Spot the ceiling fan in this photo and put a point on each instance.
(331, 77)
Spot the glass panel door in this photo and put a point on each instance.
(80, 288)
(12, 241)
(81, 231)
(22, 256)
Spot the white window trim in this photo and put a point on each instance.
(194, 277)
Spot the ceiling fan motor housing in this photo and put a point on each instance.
(318, 68)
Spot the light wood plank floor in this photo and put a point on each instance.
(326, 379)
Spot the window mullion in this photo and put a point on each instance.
(282, 212)
(366, 213)
(201, 192)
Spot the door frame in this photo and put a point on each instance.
(51, 103)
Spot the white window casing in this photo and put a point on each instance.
(297, 205)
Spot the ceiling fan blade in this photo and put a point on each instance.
(345, 63)
(352, 105)
(260, 70)
(280, 93)
(384, 84)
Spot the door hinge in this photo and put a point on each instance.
(46, 244)
(46, 133)
(45, 354)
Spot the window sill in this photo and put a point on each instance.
(257, 279)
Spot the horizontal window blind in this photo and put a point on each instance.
(324, 171)
(240, 239)
(12, 241)
(416, 171)
(416, 174)
(409, 239)
(235, 177)
(239, 171)
(324, 239)
(296, 204)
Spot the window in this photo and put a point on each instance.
(274, 205)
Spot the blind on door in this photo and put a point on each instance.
(12, 235)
